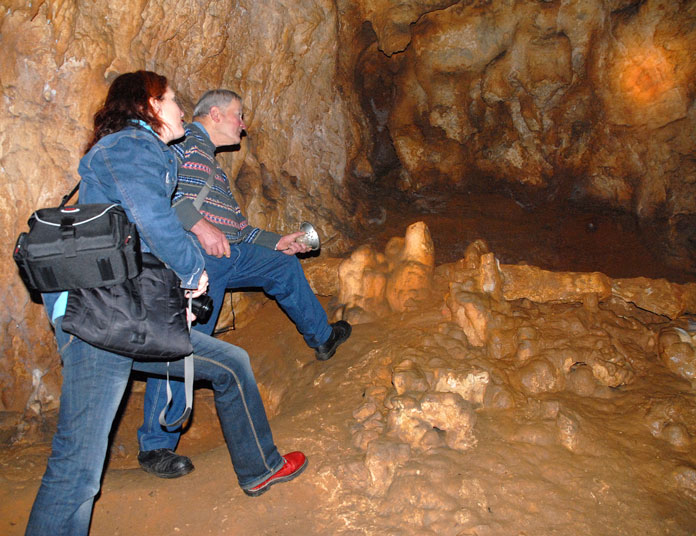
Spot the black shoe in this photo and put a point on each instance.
(165, 463)
(339, 334)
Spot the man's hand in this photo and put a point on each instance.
(288, 245)
(212, 239)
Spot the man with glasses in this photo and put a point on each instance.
(237, 255)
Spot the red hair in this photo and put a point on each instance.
(128, 100)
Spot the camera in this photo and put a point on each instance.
(202, 307)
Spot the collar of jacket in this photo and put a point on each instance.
(143, 124)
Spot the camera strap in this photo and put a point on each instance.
(188, 383)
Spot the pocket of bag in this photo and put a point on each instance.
(137, 318)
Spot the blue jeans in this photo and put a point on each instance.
(249, 265)
(93, 384)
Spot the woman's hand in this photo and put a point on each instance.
(202, 286)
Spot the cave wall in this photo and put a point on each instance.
(591, 98)
(58, 60)
(594, 98)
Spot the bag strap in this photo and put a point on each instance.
(67, 197)
(188, 360)
(188, 390)
(203, 194)
(188, 384)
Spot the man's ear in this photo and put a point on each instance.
(214, 114)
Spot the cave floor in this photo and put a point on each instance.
(594, 460)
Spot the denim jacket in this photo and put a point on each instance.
(134, 168)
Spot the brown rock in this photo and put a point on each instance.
(451, 413)
(539, 376)
(367, 410)
(405, 421)
(363, 282)
(677, 435)
(542, 286)
(392, 22)
(501, 344)
(684, 479)
(473, 253)
(490, 278)
(469, 384)
(527, 349)
(678, 352)
(411, 261)
(498, 397)
(381, 459)
(372, 285)
(407, 377)
(322, 275)
(535, 82)
(362, 438)
(418, 245)
(581, 381)
(415, 421)
(239, 309)
(568, 431)
(408, 286)
(471, 312)
(609, 368)
(656, 295)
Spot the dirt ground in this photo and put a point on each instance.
(574, 453)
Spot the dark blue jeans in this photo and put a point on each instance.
(93, 384)
(249, 265)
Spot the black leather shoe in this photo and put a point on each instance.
(165, 463)
(339, 335)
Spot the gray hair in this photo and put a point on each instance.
(215, 97)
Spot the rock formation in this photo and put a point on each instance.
(471, 409)
(577, 99)
(585, 100)
(372, 284)
(478, 355)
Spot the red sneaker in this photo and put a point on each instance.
(295, 463)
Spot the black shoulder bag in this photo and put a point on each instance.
(77, 246)
(119, 300)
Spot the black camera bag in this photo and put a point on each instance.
(144, 317)
(77, 246)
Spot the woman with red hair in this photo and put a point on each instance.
(129, 162)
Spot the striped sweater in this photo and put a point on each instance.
(196, 156)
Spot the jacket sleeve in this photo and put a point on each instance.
(260, 237)
(142, 181)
